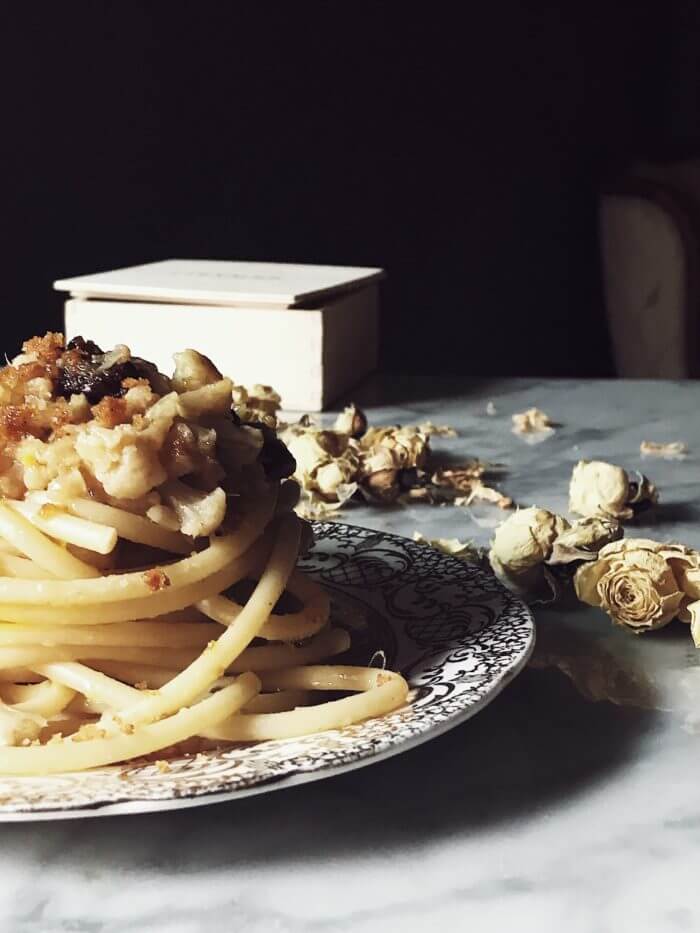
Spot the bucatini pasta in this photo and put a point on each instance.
(147, 545)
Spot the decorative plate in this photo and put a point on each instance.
(453, 631)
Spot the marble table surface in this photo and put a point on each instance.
(572, 802)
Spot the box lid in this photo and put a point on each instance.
(206, 281)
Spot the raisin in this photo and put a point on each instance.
(275, 458)
(82, 371)
(84, 346)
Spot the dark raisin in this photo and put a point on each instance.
(84, 346)
(82, 371)
(275, 458)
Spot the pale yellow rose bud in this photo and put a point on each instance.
(525, 540)
(330, 476)
(604, 489)
(352, 421)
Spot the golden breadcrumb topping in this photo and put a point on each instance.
(77, 421)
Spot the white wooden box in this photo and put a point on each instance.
(309, 331)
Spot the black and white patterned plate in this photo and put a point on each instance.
(454, 632)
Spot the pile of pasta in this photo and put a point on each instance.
(100, 665)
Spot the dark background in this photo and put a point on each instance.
(465, 156)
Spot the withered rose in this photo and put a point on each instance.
(326, 461)
(525, 539)
(352, 421)
(535, 551)
(604, 489)
(642, 584)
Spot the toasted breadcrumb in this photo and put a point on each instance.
(156, 579)
(47, 348)
(110, 411)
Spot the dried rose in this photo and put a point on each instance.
(599, 488)
(409, 445)
(521, 545)
(352, 421)
(326, 460)
(265, 399)
(391, 461)
(641, 584)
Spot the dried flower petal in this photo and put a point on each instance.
(465, 484)
(584, 539)
(436, 430)
(675, 450)
(532, 421)
(464, 550)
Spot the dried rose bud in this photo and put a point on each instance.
(383, 485)
(352, 421)
(408, 445)
(330, 476)
(521, 545)
(525, 539)
(603, 489)
(265, 399)
(326, 462)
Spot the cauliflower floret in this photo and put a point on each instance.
(139, 398)
(193, 370)
(199, 513)
(125, 459)
(212, 399)
(11, 479)
(40, 387)
(43, 462)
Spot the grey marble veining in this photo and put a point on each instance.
(547, 811)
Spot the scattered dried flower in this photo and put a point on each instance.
(599, 488)
(524, 541)
(535, 551)
(642, 584)
(675, 450)
(352, 421)
(466, 484)
(464, 550)
(534, 425)
(436, 430)
(584, 539)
